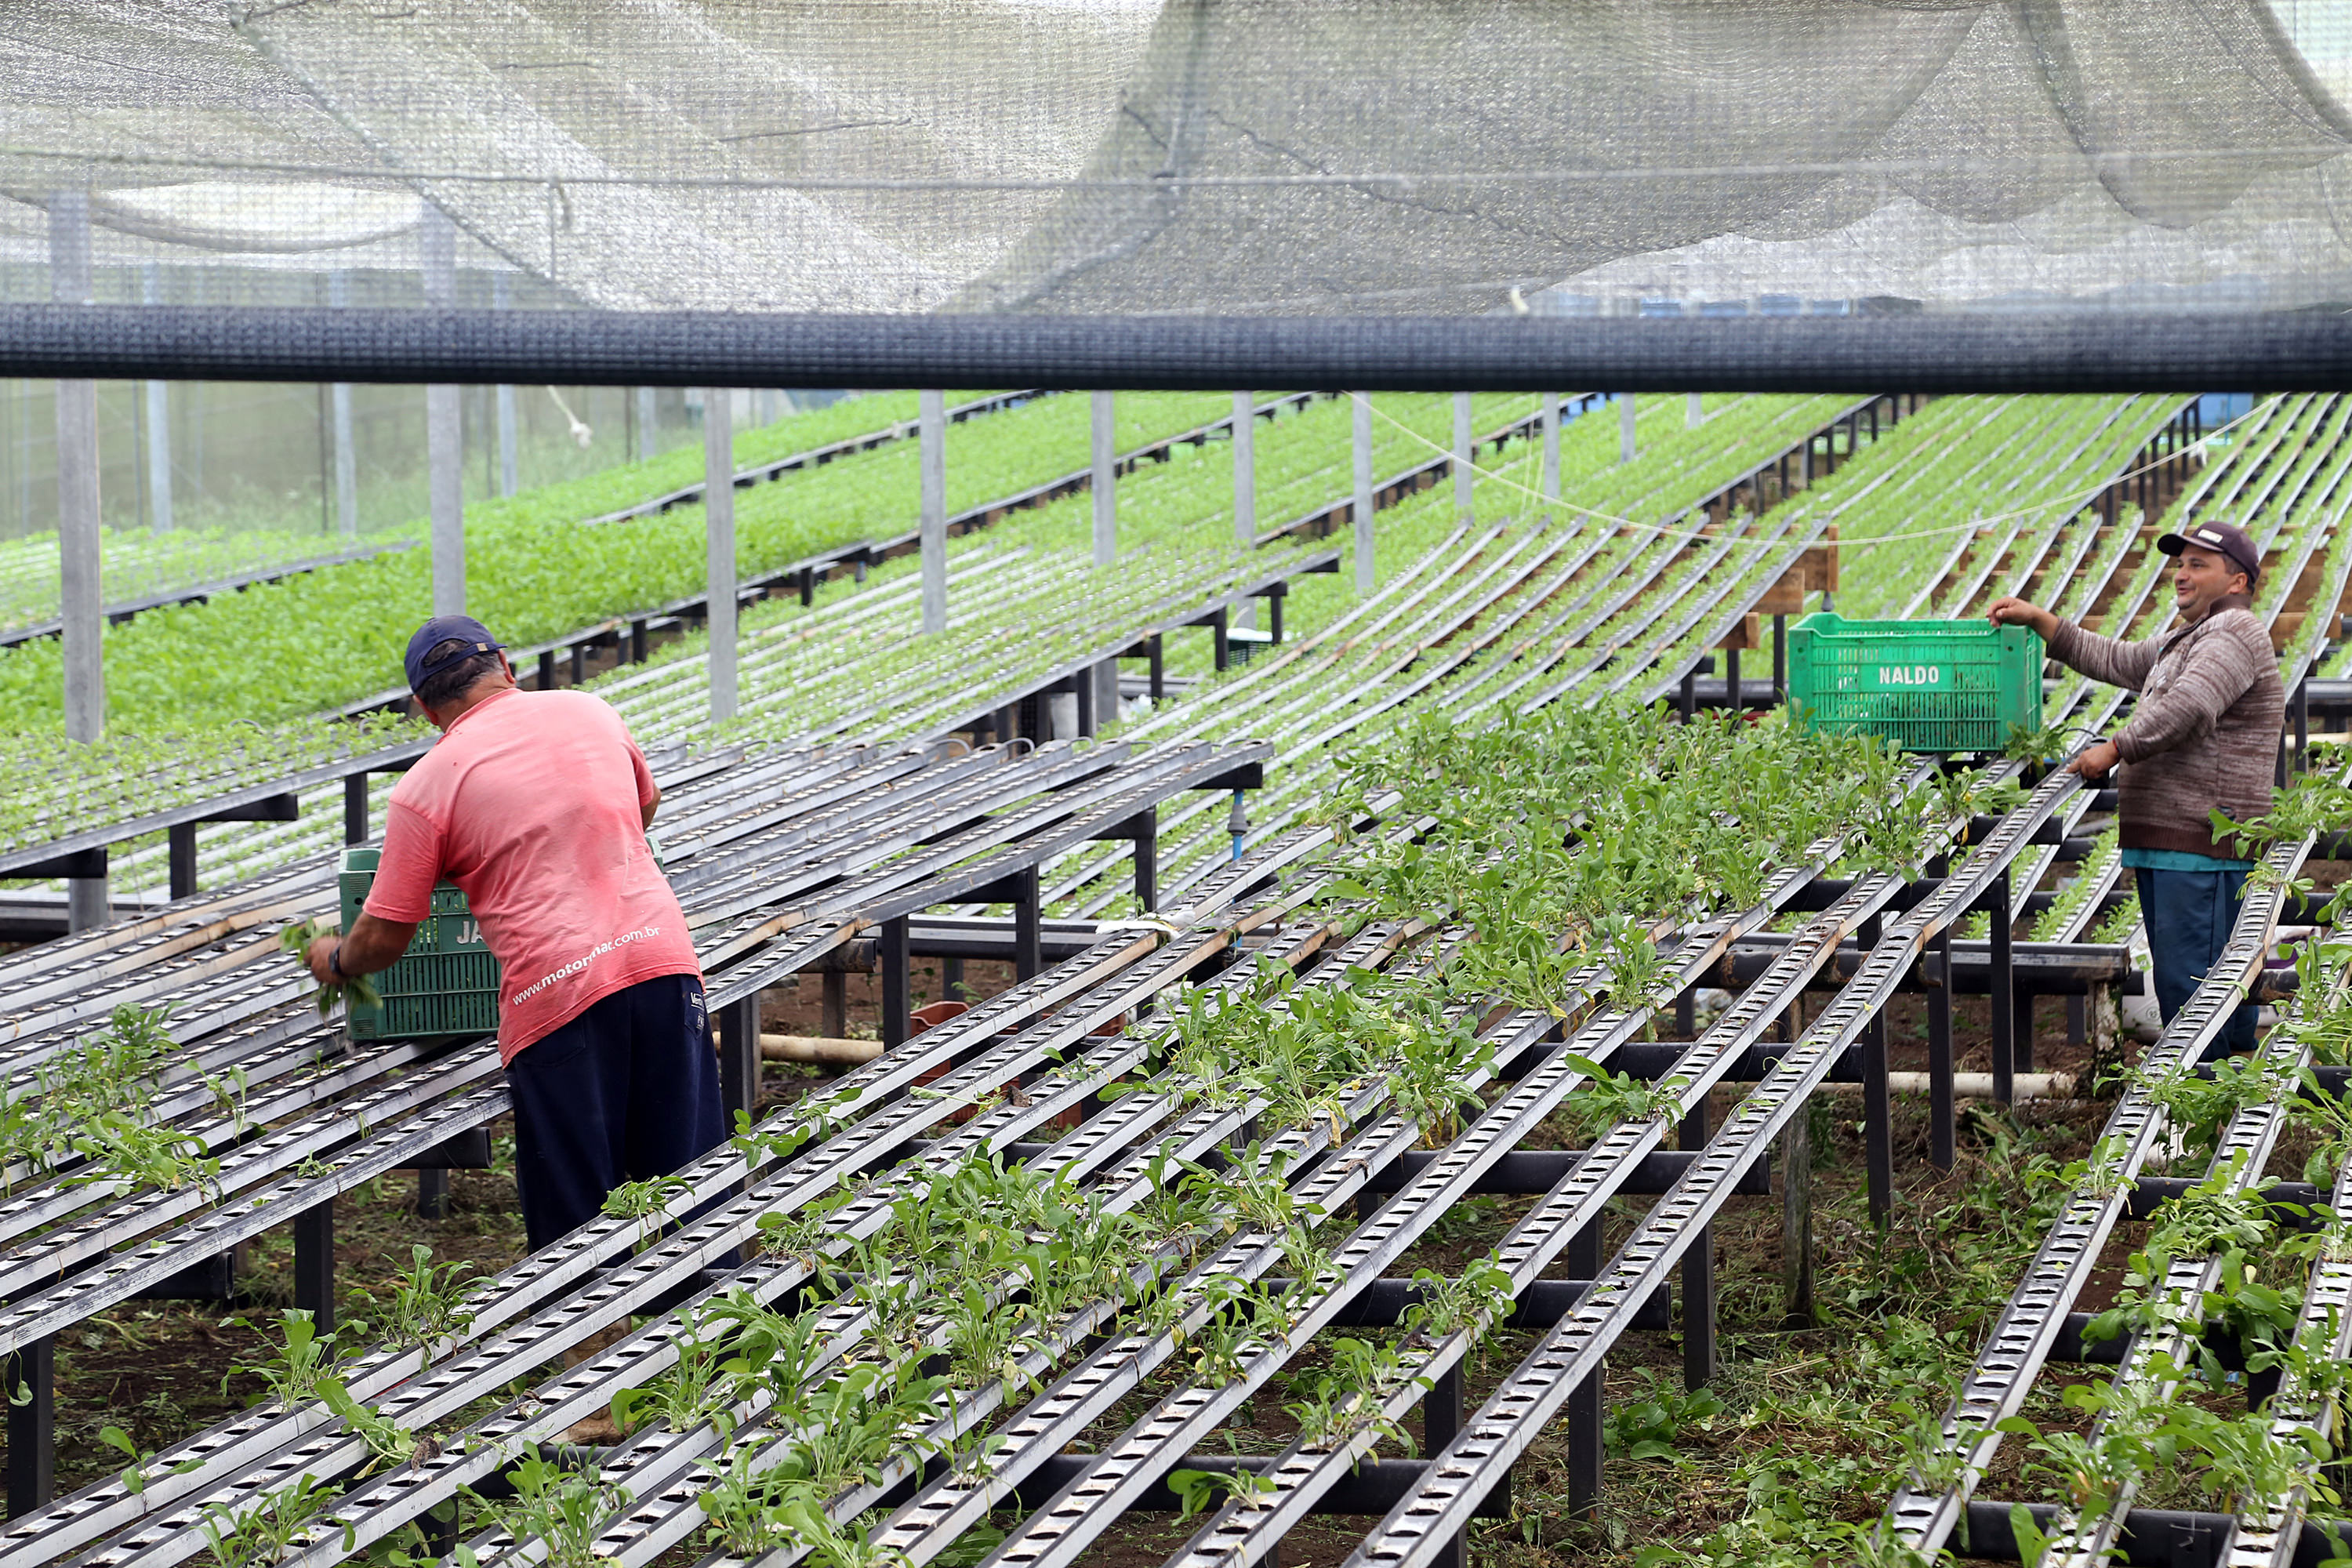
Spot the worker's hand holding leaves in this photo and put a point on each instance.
(314, 941)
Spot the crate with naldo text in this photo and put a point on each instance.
(446, 983)
(1923, 686)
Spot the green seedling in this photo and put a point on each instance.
(563, 1509)
(296, 938)
(1199, 1489)
(304, 1359)
(429, 1303)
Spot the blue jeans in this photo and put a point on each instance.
(626, 1092)
(2189, 915)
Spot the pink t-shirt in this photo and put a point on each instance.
(533, 804)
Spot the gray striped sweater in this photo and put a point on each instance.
(2205, 733)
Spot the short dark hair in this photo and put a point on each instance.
(457, 680)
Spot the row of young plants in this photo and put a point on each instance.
(979, 1265)
(1355, 676)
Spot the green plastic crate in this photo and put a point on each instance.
(445, 984)
(1925, 685)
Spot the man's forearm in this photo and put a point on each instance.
(372, 945)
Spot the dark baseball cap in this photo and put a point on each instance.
(446, 628)
(2225, 539)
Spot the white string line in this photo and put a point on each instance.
(1977, 525)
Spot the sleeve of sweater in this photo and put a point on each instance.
(2217, 667)
(2111, 660)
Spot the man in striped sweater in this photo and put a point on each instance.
(2204, 736)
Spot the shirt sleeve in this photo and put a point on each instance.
(647, 793)
(408, 868)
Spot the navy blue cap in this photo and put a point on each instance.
(439, 630)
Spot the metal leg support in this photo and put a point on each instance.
(2021, 1031)
(738, 1056)
(1584, 1445)
(952, 986)
(1797, 1210)
(1159, 668)
(182, 854)
(433, 1194)
(1942, 1136)
(2004, 994)
(314, 1264)
(1698, 1280)
(897, 981)
(355, 809)
(1441, 1421)
(836, 1004)
(1028, 927)
(32, 1425)
(1147, 861)
(1879, 1120)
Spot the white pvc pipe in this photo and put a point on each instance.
(719, 525)
(1361, 511)
(1693, 415)
(339, 398)
(1625, 427)
(1465, 472)
(932, 418)
(1552, 446)
(159, 426)
(1105, 478)
(646, 412)
(505, 400)
(1245, 491)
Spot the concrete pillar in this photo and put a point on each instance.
(1361, 511)
(1106, 477)
(1465, 472)
(931, 417)
(647, 414)
(80, 589)
(1552, 446)
(1246, 488)
(1625, 427)
(339, 401)
(719, 525)
(445, 429)
(159, 424)
(1693, 415)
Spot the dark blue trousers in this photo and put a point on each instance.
(2189, 915)
(626, 1092)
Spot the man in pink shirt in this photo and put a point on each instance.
(535, 805)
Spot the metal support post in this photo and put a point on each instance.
(579, 662)
(433, 1194)
(32, 1425)
(1686, 700)
(891, 954)
(2302, 726)
(1698, 1279)
(1105, 480)
(1159, 656)
(1731, 680)
(1942, 1132)
(159, 424)
(931, 421)
(2022, 1032)
(1693, 415)
(1237, 825)
(1585, 1450)
(1551, 447)
(718, 528)
(1083, 689)
(1223, 652)
(648, 422)
(1797, 1206)
(445, 429)
(314, 1263)
(80, 592)
(833, 1015)
(2004, 993)
(503, 404)
(1686, 1014)
(181, 838)
(1878, 1123)
(1274, 611)
(1244, 489)
(1441, 1423)
(1028, 926)
(1361, 512)
(338, 405)
(738, 1056)
(355, 808)
(1464, 468)
(1147, 860)
(1781, 658)
(1626, 448)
